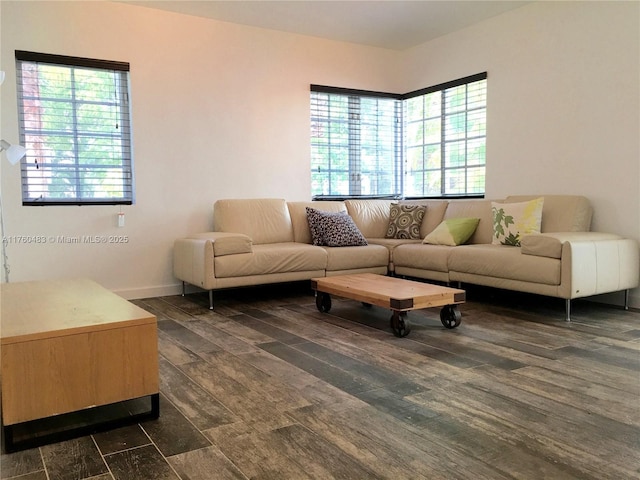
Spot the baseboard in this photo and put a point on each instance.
(150, 292)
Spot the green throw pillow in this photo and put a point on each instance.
(454, 231)
(513, 220)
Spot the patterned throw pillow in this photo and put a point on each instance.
(333, 229)
(405, 221)
(315, 219)
(454, 231)
(513, 220)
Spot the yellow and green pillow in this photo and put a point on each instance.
(511, 221)
(453, 231)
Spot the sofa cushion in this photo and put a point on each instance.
(513, 220)
(264, 220)
(454, 231)
(541, 245)
(298, 212)
(473, 209)
(502, 261)
(422, 256)
(352, 258)
(232, 245)
(391, 244)
(225, 243)
(432, 216)
(371, 216)
(272, 258)
(561, 213)
(333, 229)
(405, 221)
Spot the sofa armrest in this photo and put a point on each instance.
(595, 264)
(193, 262)
(550, 244)
(193, 257)
(226, 243)
(591, 262)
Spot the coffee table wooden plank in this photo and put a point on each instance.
(389, 292)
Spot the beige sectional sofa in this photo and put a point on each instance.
(259, 241)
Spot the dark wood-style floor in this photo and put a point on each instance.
(266, 387)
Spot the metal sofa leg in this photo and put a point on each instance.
(568, 309)
(626, 299)
(210, 299)
(183, 289)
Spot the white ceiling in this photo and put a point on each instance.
(395, 24)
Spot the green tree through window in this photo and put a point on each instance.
(75, 123)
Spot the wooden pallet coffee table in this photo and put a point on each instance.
(397, 294)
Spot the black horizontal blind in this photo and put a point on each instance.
(356, 142)
(74, 118)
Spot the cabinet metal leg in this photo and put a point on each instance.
(155, 406)
(9, 445)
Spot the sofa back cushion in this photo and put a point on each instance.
(370, 216)
(432, 217)
(561, 213)
(264, 220)
(298, 213)
(473, 209)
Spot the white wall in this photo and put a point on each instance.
(221, 110)
(563, 108)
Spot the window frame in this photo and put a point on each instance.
(118, 145)
(401, 180)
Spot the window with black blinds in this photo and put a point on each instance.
(75, 122)
(427, 143)
(356, 147)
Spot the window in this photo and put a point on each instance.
(355, 143)
(445, 139)
(428, 143)
(74, 119)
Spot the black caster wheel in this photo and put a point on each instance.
(450, 316)
(400, 324)
(323, 302)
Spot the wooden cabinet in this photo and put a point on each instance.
(70, 345)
